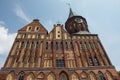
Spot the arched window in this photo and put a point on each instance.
(24, 36)
(91, 61)
(10, 76)
(27, 45)
(22, 44)
(46, 45)
(96, 61)
(92, 76)
(109, 76)
(40, 76)
(80, 45)
(30, 77)
(51, 76)
(32, 45)
(74, 76)
(101, 76)
(37, 45)
(66, 46)
(63, 76)
(21, 76)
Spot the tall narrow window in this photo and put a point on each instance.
(24, 56)
(80, 45)
(46, 45)
(22, 45)
(27, 45)
(29, 56)
(63, 76)
(37, 45)
(96, 60)
(91, 61)
(32, 45)
(101, 76)
(51, 45)
(25, 36)
(38, 36)
(60, 63)
(21, 76)
(95, 46)
(90, 45)
(18, 56)
(66, 46)
(56, 45)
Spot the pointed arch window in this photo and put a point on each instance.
(25, 36)
(29, 56)
(18, 56)
(27, 45)
(51, 76)
(109, 75)
(66, 46)
(80, 45)
(96, 60)
(21, 76)
(32, 45)
(63, 76)
(46, 45)
(36, 44)
(90, 45)
(10, 76)
(22, 45)
(40, 76)
(91, 61)
(74, 76)
(92, 76)
(101, 76)
(95, 46)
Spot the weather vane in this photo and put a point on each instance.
(68, 4)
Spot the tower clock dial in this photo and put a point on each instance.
(78, 20)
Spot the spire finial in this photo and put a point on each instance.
(68, 5)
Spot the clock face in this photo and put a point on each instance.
(78, 20)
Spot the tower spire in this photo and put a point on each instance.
(71, 14)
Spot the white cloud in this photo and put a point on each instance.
(2, 22)
(20, 13)
(6, 39)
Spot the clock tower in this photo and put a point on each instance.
(76, 24)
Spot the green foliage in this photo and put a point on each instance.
(119, 73)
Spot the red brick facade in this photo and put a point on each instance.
(75, 54)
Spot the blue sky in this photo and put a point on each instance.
(103, 18)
